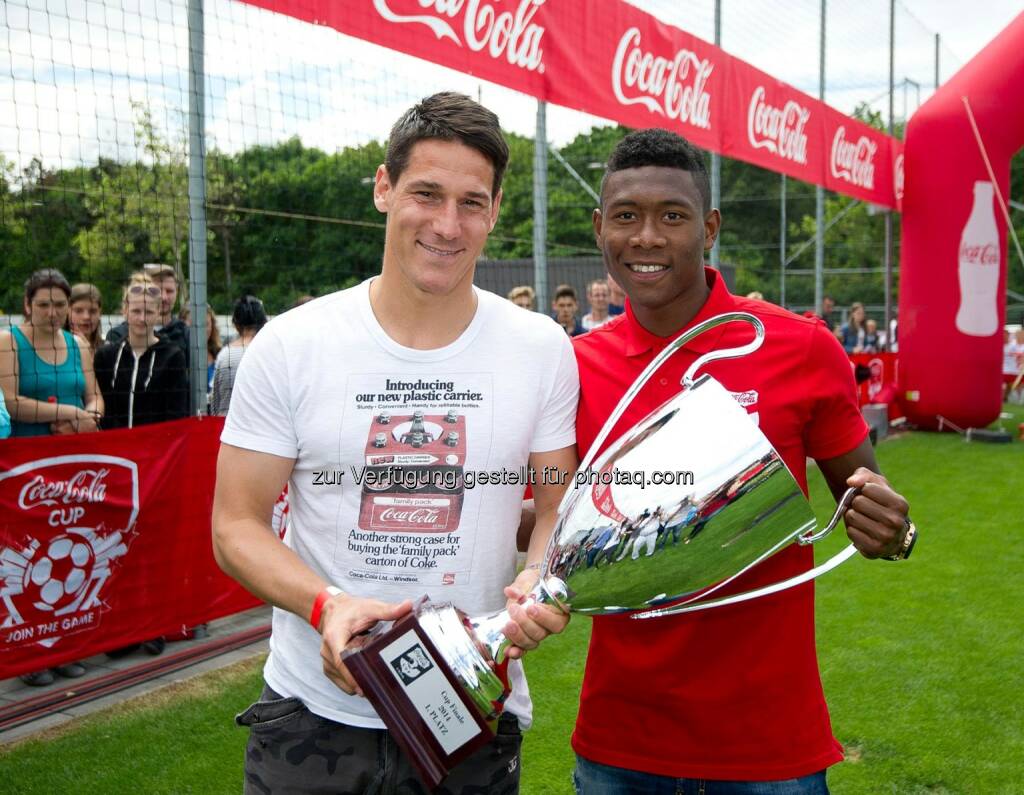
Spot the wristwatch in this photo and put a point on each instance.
(909, 539)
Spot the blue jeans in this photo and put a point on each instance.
(592, 778)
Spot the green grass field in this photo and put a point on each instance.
(923, 662)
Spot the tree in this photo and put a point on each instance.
(38, 224)
(293, 219)
(140, 209)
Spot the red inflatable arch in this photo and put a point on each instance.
(954, 249)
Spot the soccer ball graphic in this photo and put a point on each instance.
(57, 577)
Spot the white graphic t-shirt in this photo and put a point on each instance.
(390, 445)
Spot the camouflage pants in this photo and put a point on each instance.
(292, 750)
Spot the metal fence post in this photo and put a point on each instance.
(782, 241)
(540, 208)
(716, 159)
(819, 193)
(197, 206)
(889, 214)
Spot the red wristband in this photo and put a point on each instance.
(318, 604)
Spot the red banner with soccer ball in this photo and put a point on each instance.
(105, 542)
(615, 61)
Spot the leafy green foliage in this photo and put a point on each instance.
(288, 219)
(140, 210)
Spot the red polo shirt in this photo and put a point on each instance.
(731, 693)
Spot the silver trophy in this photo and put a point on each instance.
(723, 502)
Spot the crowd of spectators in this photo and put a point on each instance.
(59, 376)
(605, 300)
(860, 333)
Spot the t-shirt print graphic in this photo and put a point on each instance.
(410, 441)
(413, 474)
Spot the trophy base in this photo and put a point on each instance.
(414, 691)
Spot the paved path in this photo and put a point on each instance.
(14, 690)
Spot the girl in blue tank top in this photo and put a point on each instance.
(48, 385)
(53, 386)
(62, 383)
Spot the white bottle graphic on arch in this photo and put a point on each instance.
(978, 269)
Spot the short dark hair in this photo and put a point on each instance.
(448, 116)
(249, 313)
(565, 291)
(46, 277)
(657, 147)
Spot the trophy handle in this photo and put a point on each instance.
(687, 381)
(844, 503)
(799, 579)
(849, 551)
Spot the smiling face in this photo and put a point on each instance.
(440, 212)
(653, 234)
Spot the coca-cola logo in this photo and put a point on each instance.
(512, 35)
(853, 161)
(672, 87)
(426, 516)
(779, 130)
(86, 485)
(897, 177)
(985, 254)
(745, 399)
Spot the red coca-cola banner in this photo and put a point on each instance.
(880, 386)
(105, 542)
(615, 61)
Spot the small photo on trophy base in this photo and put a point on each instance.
(417, 696)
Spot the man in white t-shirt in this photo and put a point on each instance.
(374, 404)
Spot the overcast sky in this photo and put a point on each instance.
(965, 33)
(71, 70)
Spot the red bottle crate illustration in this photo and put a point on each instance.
(413, 476)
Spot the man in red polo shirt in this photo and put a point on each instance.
(714, 701)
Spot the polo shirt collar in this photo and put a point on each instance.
(640, 341)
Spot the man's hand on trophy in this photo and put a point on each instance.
(531, 622)
(343, 618)
(876, 521)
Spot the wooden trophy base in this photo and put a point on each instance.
(418, 697)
